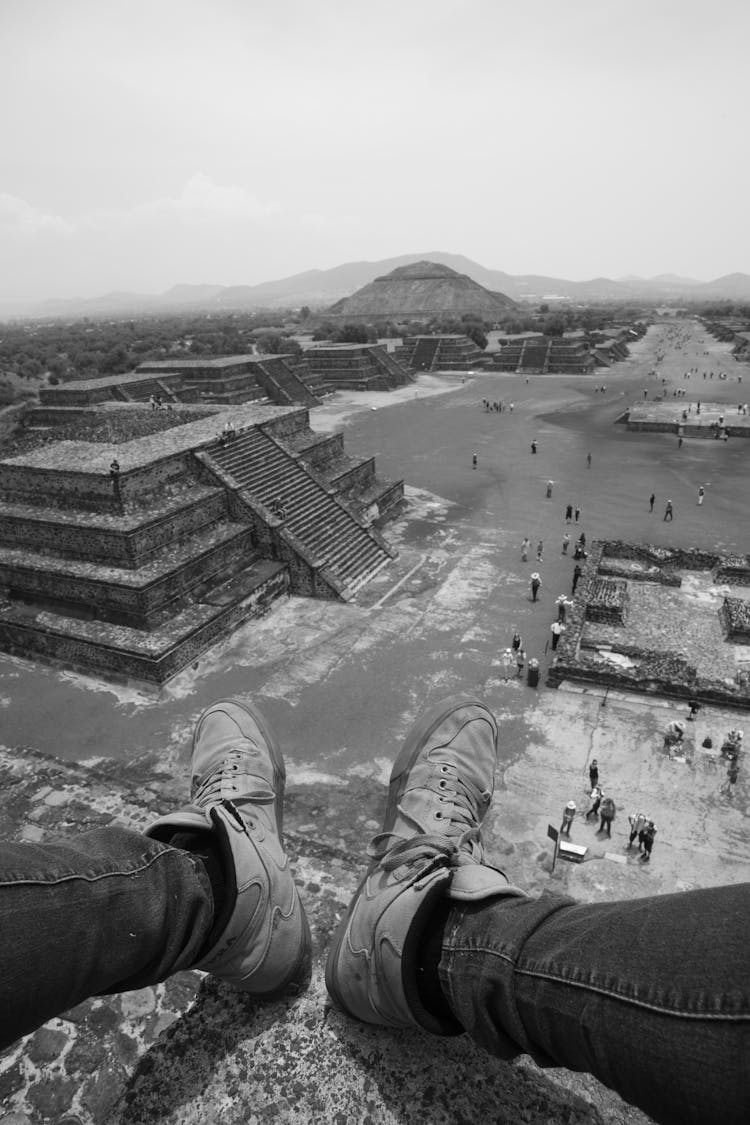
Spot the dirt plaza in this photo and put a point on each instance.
(342, 683)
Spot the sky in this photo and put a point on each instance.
(147, 144)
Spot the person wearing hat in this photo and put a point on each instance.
(674, 734)
(535, 584)
(569, 813)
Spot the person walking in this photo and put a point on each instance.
(588, 455)
(520, 662)
(733, 772)
(557, 629)
(525, 548)
(577, 572)
(701, 494)
(539, 550)
(533, 446)
(646, 838)
(607, 812)
(565, 543)
(568, 513)
(669, 511)
(474, 461)
(596, 800)
(593, 773)
(562, 604)
(638, 822)
(550, 486)
(515, 644)
(535, 584)
(651, 501)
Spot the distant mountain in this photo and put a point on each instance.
(321, 288)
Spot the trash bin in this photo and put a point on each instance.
(532, 673)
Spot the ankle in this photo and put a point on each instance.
(206, 847)
(429, 990)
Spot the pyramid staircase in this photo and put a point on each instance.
(327, 532)
(425, 353)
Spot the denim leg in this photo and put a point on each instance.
(651, 996)
(106, 911)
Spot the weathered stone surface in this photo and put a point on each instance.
(45, 1045)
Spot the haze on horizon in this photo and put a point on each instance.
(155, 142)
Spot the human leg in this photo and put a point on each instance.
(669, 1030)
(104, 911)
(207, 887)
(652, 997)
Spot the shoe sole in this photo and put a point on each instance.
(274, 750)
(413, 744)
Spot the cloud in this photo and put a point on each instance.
(22, 218)
(201, 200)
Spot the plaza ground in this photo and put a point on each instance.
(343, 683)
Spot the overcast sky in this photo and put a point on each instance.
(237, 141)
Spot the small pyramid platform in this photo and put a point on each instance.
(132, 575)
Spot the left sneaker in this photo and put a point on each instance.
(262, 940)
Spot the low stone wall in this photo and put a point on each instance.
(607, 601)
(735, 615)
(44, 640)
(287, 425)
(111, 545)
(662, 673)
(390, 503)
(321, 454)
(141, 606)
(89, 491)
(360, 476)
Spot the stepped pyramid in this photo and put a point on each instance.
(422, 290)
(133, 574)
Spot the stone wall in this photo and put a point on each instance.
(661, 672)
(114, 546)
(80, 646)
(142, 604)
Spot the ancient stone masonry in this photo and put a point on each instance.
(668, 621)
(356, 367)
(132, 566)
(421, 291)
(440, 353)
(225, 380)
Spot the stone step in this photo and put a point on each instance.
(142, 597)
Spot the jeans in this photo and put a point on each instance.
(651, 996)
(106, 911)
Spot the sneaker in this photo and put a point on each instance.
(429, 849)
(261, 941)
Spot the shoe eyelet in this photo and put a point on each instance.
(438, 815)
(444, 769)
(442, 784)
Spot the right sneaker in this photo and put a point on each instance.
(430, 849)
(260, 942)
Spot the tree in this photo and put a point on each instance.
(475, 333)
(352, 334)
(553, 326)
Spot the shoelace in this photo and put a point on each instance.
(209, 790)
(458, 842)
(437, 849)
